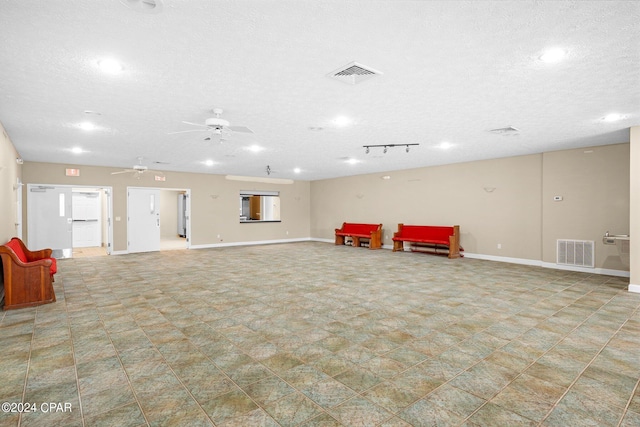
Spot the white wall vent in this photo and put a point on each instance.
(579, 253)
(353, 73)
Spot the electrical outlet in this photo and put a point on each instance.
(499, 245)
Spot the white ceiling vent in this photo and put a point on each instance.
(353, 73)
(509, 130)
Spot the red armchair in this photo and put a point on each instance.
(27, 275)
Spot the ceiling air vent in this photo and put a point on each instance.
(508, 131)
(353, 73)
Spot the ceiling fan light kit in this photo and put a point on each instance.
(215, 125)
(138, 170)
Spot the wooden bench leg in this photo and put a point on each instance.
(339, 240)
(356, 241)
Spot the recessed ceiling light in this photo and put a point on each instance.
(342, 121)
(613, 117)
(208, 162)
(445, 145)
(553, 55)
(352, 161)
(110, 65)
(254, 148)
(386, 177)
(297, 170)
(77, 150)
(87, 126)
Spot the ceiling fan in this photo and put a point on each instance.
(215, 125)
(138, 170)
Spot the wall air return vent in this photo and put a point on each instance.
(353, 73)
(579, 253)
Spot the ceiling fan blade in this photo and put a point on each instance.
(196, 124)
(185, 131)
(240, 129)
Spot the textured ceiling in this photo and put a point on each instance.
(452, 71)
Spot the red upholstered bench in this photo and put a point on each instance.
(428, 238)
(372, 232)
(28, 275)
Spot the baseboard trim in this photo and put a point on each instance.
(537, 263)
(250, 243)
(509, 260)
(634, 288)
(603, 271)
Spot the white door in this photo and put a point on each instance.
(49, 219)
(86, 219)
(143, 219)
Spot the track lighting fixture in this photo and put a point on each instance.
(385, 147)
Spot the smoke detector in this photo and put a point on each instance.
(354, 73)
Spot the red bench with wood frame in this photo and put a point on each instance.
(429, 238)
(27, 275)
(373, 232)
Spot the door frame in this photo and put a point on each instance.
(187, 191)
(108, 190)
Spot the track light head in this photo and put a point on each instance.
(385, 149)
(407, 149)
(366, 151)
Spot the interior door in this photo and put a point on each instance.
(143, 219)
(86, 219)
(49, 219)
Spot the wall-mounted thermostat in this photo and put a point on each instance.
(557, 198)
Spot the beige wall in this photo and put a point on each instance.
(519, 214)
(214, 202)
(169, 214)
(594, 184)
(455, 194)
(10, 172)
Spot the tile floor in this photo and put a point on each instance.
(310, 334)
